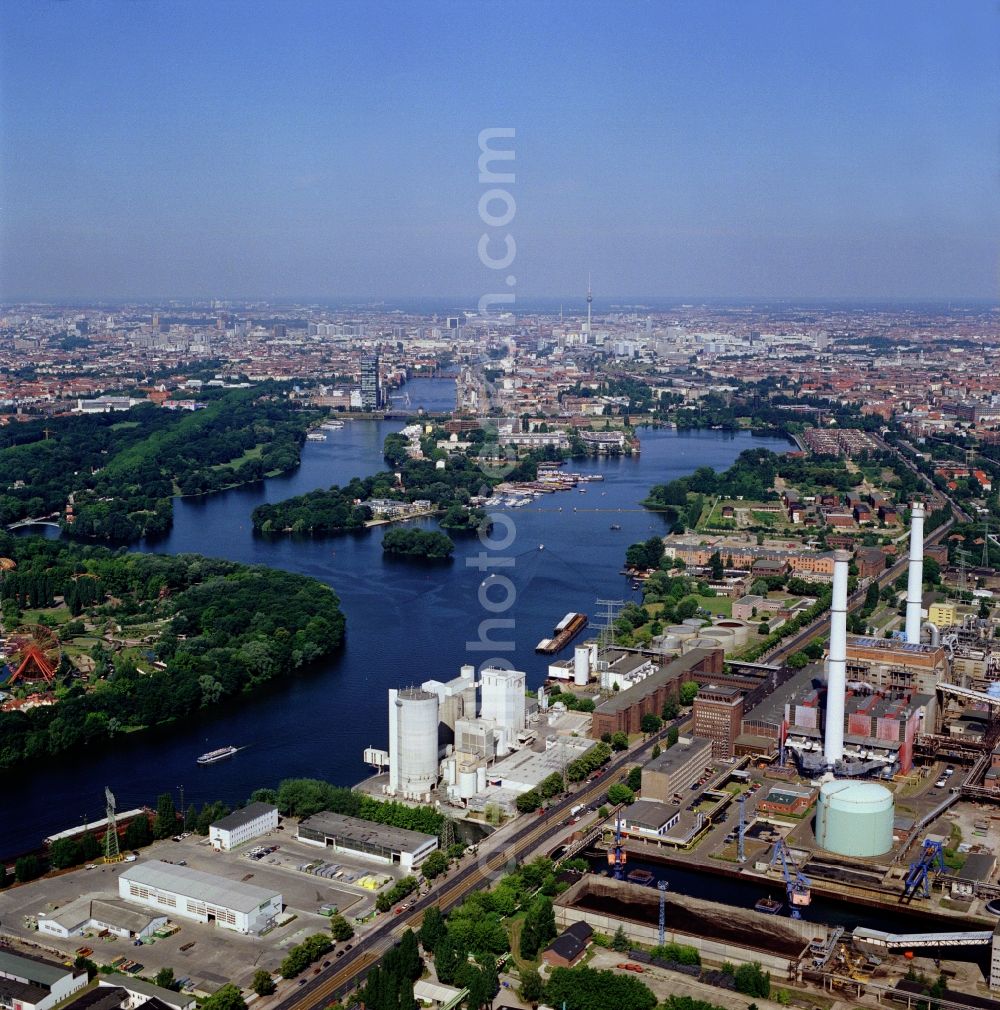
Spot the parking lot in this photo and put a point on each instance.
(206, 954)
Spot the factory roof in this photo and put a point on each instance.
(21, 992)
(675, 668)
(201, 886)
(106, 910)
(244, 816)
(341, 826)
(34, 969)
(669, 760)
(978, 866)
(147, 989)
(650, 814)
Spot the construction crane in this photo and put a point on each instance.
(931, 856)
(616, 854)
(797, 884)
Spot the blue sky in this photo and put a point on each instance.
(286, 148)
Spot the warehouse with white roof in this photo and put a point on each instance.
(182, 892)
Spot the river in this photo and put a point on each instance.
(406, 623)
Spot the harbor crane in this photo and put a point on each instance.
(797, 884)
(931, 857)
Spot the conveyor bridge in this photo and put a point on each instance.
(906, 941)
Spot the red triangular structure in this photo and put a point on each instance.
(33, 657)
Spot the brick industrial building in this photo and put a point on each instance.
(624, 711)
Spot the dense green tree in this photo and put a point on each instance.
(340, 928)
(165, 979)
(90, 847)
(532, 988)
(619, 741)
(432, 929)
(138, 833)
(262, 983)
(81, 963)
(165, 823)
(434, 865)
(539, 927)
(587, 989)
(620, 793)
(228, 997)
(634, 780)
(650, 723)
(752, 980)
(27, 868)
(528, 801)
(688, 690)
(63, 853)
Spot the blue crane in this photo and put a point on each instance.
(931, 856)
(797, 884)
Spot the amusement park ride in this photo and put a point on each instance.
(31, 653)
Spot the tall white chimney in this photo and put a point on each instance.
(836, 674)
(915, 579)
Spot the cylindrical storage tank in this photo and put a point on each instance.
(739, 630)
(700, 643)
(467, 784)
(854, 818)
(481, 778)
(581, 665)
(416, 741)
(682, 631)
(450, 772)
(594, 649)
(670, 643)
(693, 622)
(468, 671)
(723, 636)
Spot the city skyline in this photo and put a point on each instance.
(707, 152)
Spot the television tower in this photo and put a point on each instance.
(590, 298)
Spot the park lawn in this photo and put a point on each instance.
(254, 452)
(124, 425)
(721, 606)
(57, 615)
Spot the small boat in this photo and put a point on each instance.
(217, 755)
(640, 876)
(616, 526)
(768, 906)
(316, 436)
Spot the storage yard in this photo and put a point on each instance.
(297, 871)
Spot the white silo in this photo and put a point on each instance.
(503, 700)
(413, 742)
(581, 666)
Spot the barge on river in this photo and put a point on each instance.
(565, 631)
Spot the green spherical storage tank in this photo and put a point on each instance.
(854, 818)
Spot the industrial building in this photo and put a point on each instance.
(30, 983)
(676, 769)
(356, 837)
(241, 826)
(503, 703)
(89, 913)
(139, 992)
(204, 897)
(649, 818)
(718, 717)
(624, 711)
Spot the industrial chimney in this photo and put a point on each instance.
(915, 579)
(836, 674)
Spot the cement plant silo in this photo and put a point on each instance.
(581, 666)
(854, 818)
(413, 742)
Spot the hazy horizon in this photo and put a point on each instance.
(809, 153)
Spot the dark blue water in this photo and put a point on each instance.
(406, 623)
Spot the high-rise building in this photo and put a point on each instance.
(718, 713)
(371, 386)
